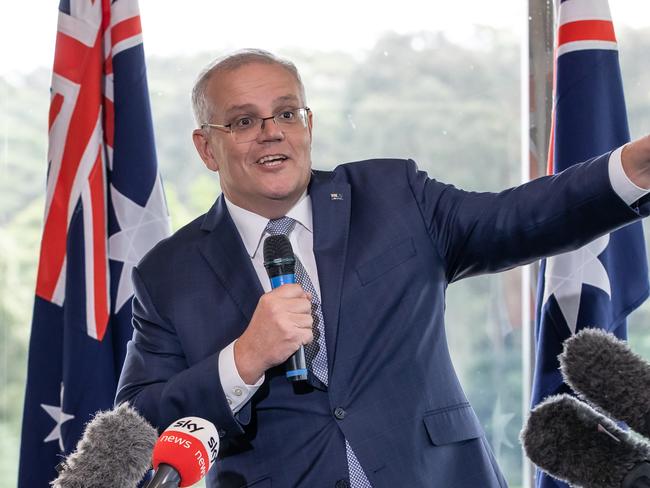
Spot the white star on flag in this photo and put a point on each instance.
(566, 273)
(59, 417)
(140, 229)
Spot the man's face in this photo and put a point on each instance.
(271, 172)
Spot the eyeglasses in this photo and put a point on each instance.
(246, 128)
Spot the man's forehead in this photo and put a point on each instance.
(254, 86)
(255, 74)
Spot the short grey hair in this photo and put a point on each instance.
(200, 104)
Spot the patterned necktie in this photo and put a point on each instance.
(316, 351)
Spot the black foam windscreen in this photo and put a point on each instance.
(278, 256)
(572, 442)
(604, 371)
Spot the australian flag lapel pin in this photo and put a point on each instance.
(336, 196)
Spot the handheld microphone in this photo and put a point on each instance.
(604, 371)
(184, 453)
(572, 442)
(280, 265)
(115, 450)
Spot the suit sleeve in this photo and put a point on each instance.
(487, 232)
(157, 380)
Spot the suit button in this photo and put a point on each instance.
(342, 484)
(222, 433)
(340, 413)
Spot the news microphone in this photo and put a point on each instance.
(280, 265)
(115, 451)
(604, 371)
(184, 453)
(572, 442)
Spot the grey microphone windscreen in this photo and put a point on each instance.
(572, 442)
(115, 451)
(604, 371)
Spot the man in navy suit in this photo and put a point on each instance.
(378, 242)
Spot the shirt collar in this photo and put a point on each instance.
(251, 226)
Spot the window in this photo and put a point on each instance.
(437, 82)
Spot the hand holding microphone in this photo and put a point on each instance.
(282, 321)
(280, 264)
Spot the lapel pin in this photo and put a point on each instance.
(336, 196)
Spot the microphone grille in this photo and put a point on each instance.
(277, 247)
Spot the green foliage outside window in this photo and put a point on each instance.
(453, 109)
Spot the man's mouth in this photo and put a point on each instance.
(271, 160)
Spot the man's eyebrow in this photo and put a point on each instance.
(284, 99)
(251, 108)
(245, 107)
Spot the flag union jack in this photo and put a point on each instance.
(104, 209)
(601, 283)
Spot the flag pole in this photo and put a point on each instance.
(536, 104)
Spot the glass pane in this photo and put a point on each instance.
(633, 33)
(437, 82)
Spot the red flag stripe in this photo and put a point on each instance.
(106, 14)
(125, 29)
(108, 65)
(99, 237)
(82, 125)
(586, 30)
(55, 108)
(67, 55)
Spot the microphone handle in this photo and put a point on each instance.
(165, 477)
(296, 366)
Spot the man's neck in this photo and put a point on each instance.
(270, 209)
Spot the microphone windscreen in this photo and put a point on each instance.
(115, 450)
(603, 370)
(277, 247)
(278, 256)
(572, 442)
(190, 446)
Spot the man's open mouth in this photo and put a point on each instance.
(272, 159)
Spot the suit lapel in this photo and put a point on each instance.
(223, 249)
(331, 211)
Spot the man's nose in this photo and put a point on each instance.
(269, 130)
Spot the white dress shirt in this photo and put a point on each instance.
(252, 227)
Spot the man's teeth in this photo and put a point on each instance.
(276, 158)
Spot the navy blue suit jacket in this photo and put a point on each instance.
(387, 241)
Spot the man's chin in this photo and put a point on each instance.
(283, 197)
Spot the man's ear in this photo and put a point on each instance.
(200, 139)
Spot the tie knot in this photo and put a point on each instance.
(281, 226)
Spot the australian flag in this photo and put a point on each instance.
(104, 209)
(601, 283)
